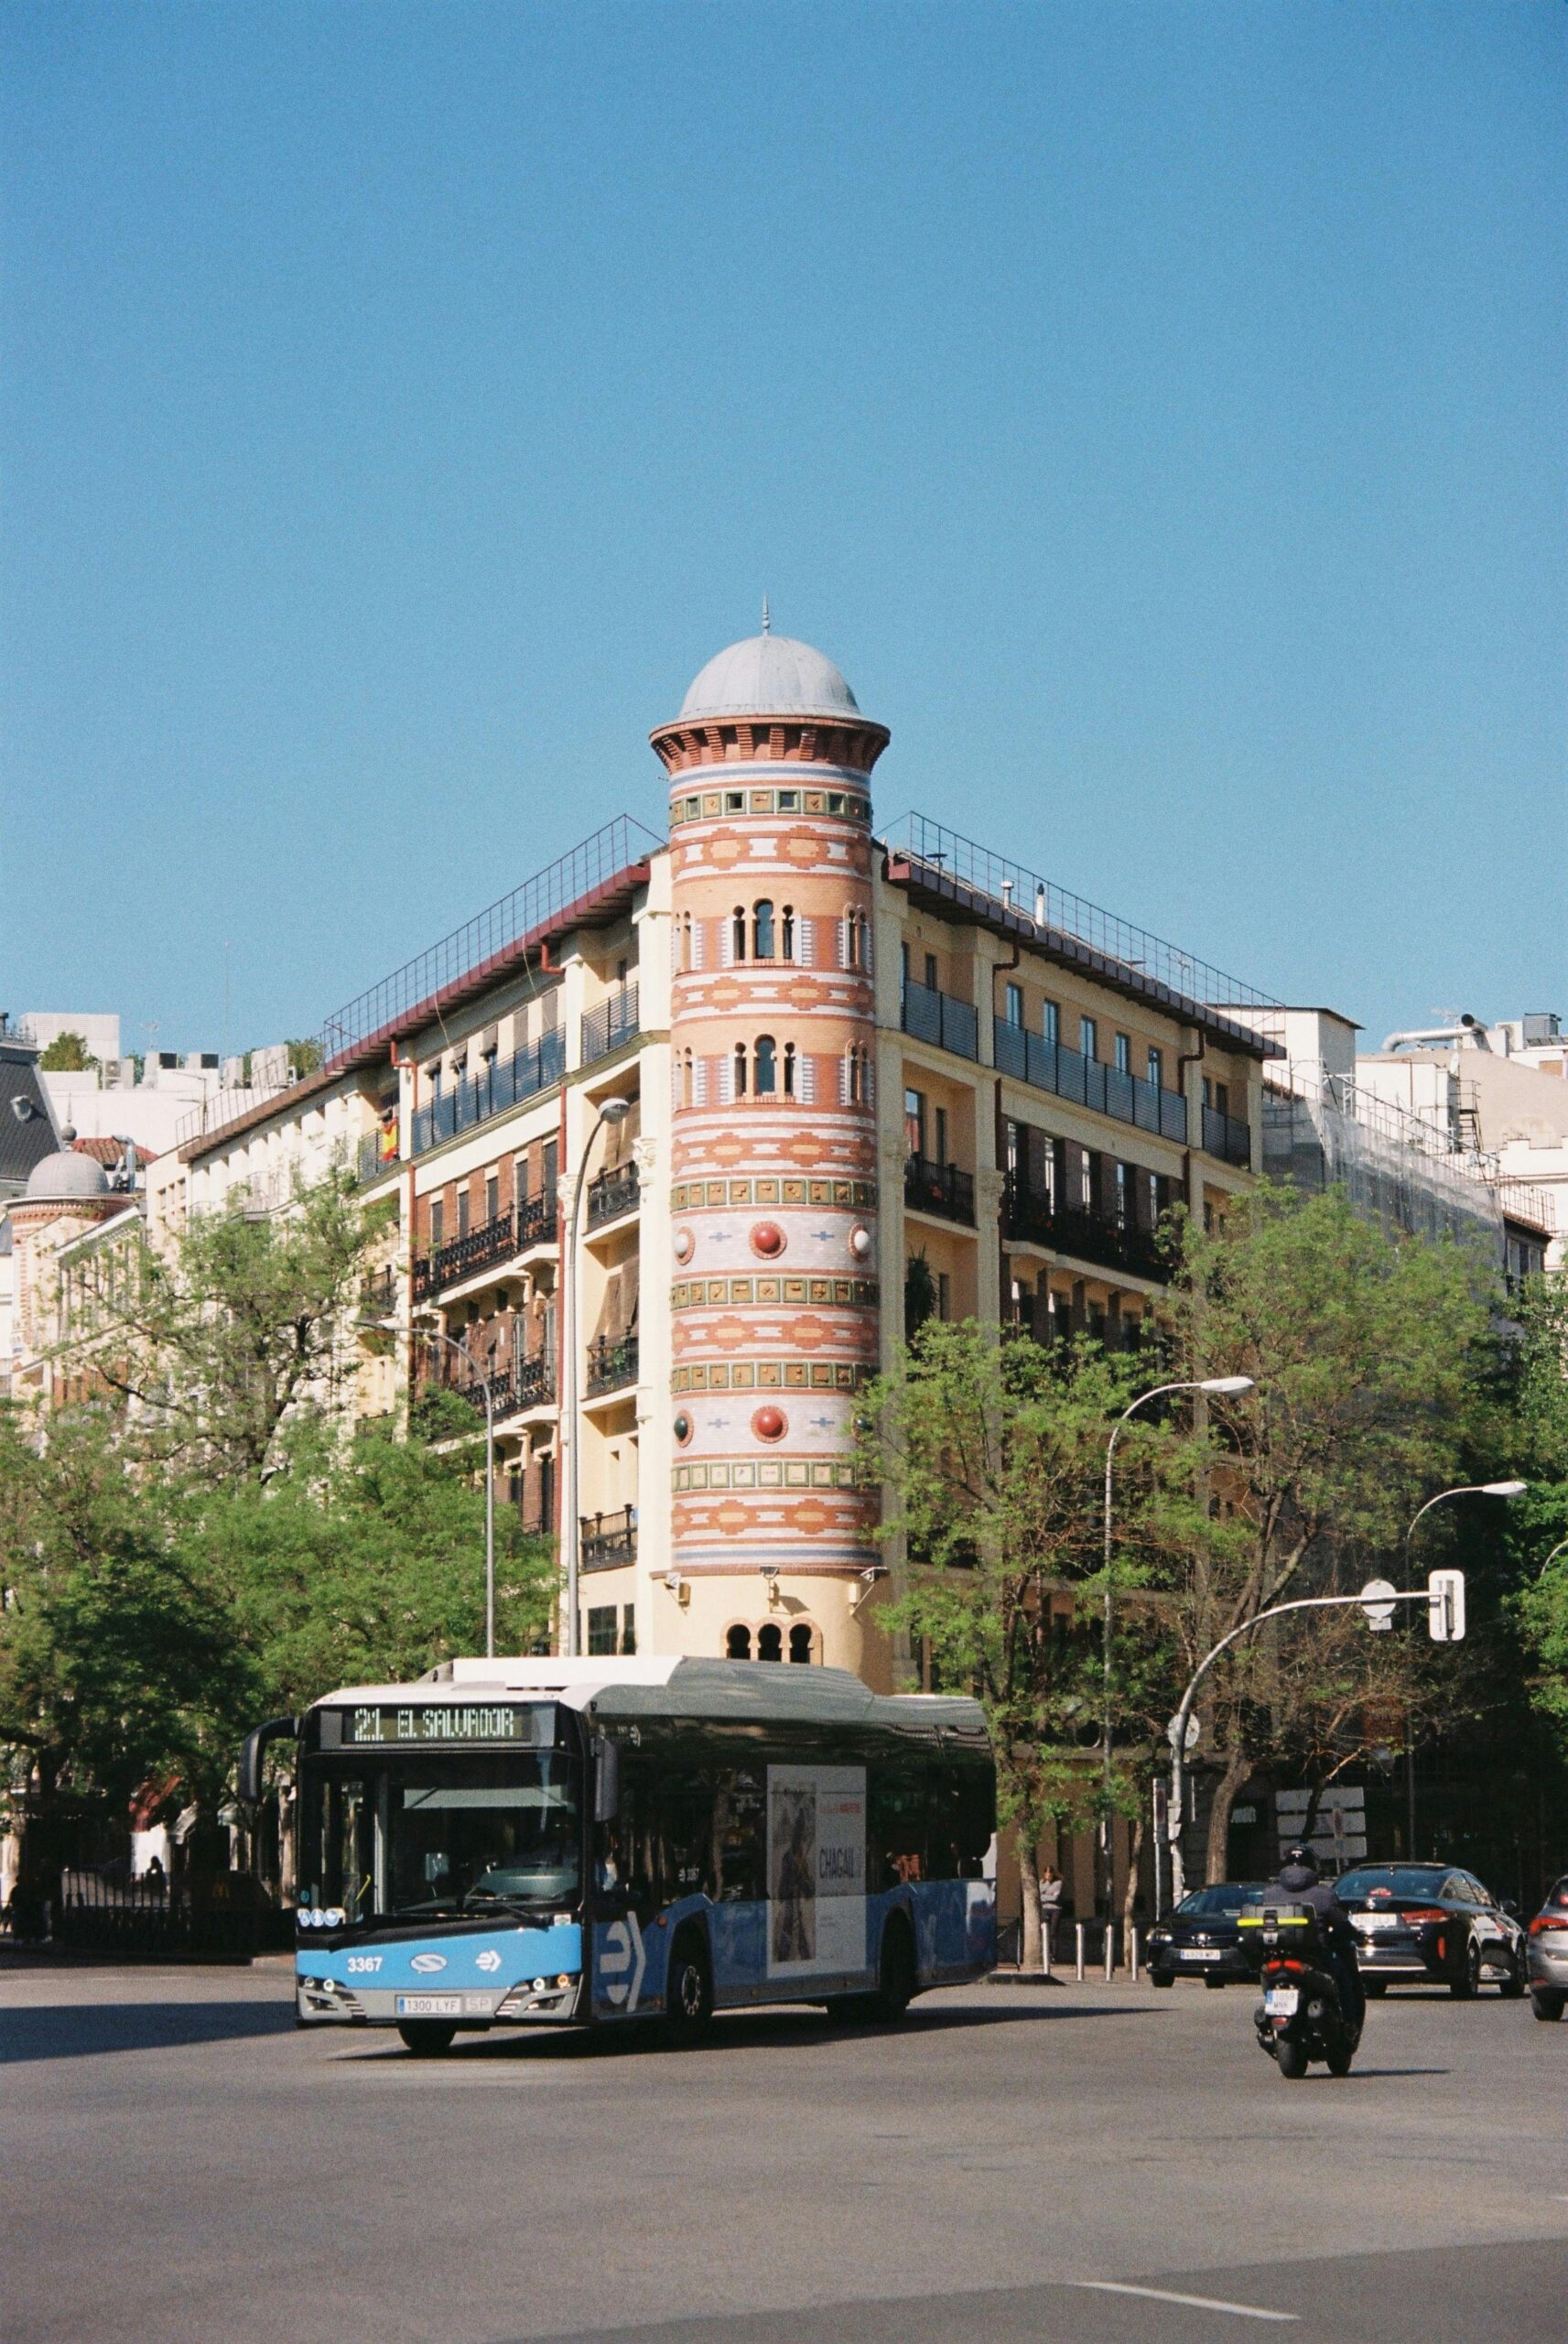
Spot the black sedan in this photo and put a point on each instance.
(1431, 1925)
(1200, 1940)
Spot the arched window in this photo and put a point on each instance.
(770, 1641)
(786, 946)
(789, 1070)
(856, 1087)
(738, 1644)
(762, 929)
(688, 1079)
(767, 1074)
(684, 940)
(740, 1070)
(857, 941)
(737, 930)
(800, 1641)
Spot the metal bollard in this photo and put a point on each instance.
(1078, 1934)
(1133, 1951)
(1110, 1951)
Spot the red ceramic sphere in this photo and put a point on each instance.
(769, 1422)
(768, 1240)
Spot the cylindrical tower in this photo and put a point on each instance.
(774, 1153)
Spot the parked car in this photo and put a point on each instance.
(1200, 1939)
(1419, 1925)
(1547, 1953)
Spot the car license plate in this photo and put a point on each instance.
(1200, 1953)
(429, 2006)
(1280, 2000)
(1379, 1921)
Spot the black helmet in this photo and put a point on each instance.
(1300, 1854)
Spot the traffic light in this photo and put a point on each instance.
(1445, 1607)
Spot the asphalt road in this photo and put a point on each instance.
(1057, 2165)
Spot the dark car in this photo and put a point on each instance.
(1431, 1925)
(1200, 1939)
(1548, 1953)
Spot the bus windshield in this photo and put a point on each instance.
(421, 1834)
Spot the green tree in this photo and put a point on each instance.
(115, 1667)
(1372, 1358)
(992, 1454)
(67, 1054)
(1539, 1524)
(240, 1326)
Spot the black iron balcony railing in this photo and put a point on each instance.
(504, 1083)
(611, 1364)
(1030, 1216)
(378, 1154)
(608, 1540)
(523, 1381)
(939, 1017)
(1049, 1066)
(940, 1188)
(611, 1193)
(614, 1021)
(378, 1296)
(1226, 1137)
(533, 1380)
(510, 1234)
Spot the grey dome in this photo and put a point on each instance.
(770, 674)
(68, 1178)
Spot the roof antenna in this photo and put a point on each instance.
(767, 622)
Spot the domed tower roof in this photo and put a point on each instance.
(769, 674)
(68, 1178)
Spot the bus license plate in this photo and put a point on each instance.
(1280, 2000)
(429, 2006)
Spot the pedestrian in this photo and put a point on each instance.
(1051, 1886)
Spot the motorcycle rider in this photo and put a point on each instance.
(1301, 1881)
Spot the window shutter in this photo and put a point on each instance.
(805, 1077)
(805, 940)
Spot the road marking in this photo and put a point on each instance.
(1194, 2303)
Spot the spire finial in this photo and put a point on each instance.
(767, 622)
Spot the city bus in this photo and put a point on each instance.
(544, 1842)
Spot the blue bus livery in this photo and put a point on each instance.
(716, 1834)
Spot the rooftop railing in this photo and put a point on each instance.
(585, 867)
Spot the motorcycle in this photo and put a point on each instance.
(1300, 2018)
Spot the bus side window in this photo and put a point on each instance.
(740, 1836)
(898, 1819)
(684, 1835)
(961, 1811)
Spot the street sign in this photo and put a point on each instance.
(1377, 1603)
(1445, 1607)
(1193, 1731)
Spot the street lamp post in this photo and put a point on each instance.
(613, 1110)
(1217, 1387)
(1465, 1489)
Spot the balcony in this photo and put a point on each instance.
(378, 1296)
(1068, 1074)
(611, 1193)
(613, 1022)
(378, 1154)
(522, 1381)
(610, 1364)
(533, 1382)
(939, 1188)
(1226, 1137)
(503, 1084)
(932, 1016)
(1031, 1217)
(510, 1234)
(608, 1540)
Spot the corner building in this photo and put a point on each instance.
(774, 1305)
(871, 1072)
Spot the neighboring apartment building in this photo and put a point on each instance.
(842, 1052)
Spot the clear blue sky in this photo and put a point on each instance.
(1157, 411)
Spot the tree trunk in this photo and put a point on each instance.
(1129, 1900)
(1031, 1956)
(1236, 1769)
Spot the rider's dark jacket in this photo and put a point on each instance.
(1303, 1887)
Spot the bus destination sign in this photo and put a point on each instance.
(430, 1721)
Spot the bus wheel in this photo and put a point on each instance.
(688, 1994)
(426, 2040)
(897, 1982)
